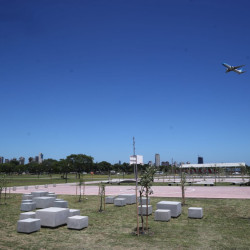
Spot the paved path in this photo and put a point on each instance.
(235, 192)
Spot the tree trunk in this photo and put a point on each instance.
(142, 221)
(147, 209)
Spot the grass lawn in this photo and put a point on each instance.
(225, 225)
(26, 180)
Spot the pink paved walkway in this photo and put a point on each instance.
(235, 192)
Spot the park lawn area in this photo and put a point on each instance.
(225, 225)
(27, 180)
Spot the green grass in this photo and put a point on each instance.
(225, 225)
(25, 180)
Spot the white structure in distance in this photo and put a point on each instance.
(136, 159)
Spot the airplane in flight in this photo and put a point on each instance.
(234, 68)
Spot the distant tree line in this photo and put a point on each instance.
(78, 163)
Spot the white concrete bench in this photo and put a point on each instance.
(73, 212)
(27, 215)
(130, 198)
(174, 206)
(28, 225)
(143, 209)
(109, 199)
(119, 202)
(162, 214)
(60, 203)
(144, 201)
(26, 201)
(29, 206)
(52, 216)
(27, 196)
(77, 222)
(44, 202)
(39, 193)
(195, 212)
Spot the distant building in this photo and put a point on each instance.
(40, 158)
(200, 160)
(150, 163)
(157, 160)
(1, 160)
(21, 160)
(37, 159)
(133, 159)
(211, 167)
(165, 163)
(7, 161)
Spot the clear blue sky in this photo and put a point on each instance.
(82, 76)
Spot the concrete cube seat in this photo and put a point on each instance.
(162, 214)
(119, 202)
(28, 206)
(130, 198)
(27, 196)
(44, 201)
(60, 203)
(174, 206)
(29, 225)
(77, 222)
(73, 212)
(142, 209)
(52, 195)
(195, 212)
(27, 201)
(52, 216)
(109, 199)
(144, 201)
(27, 215)
(39, 193)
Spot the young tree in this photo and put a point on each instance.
(183, 182)
(102, 196)
(147, 179)
(3, 187)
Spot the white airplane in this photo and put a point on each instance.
(234, 68)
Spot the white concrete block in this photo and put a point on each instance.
(44, 201)
(52, 216)
(73, 212)
(63, 204)
(26, 207)
(109, 199)
(27, 201)
(142, 209)
(173, 206)
(119, 202)
(28, 225)
(162, 214)
(144, 200)
(27, 215)
(39, 193)
(77, 222)
(130, 198)
(195, 212)
(27, 196)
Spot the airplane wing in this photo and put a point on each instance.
(236, 67)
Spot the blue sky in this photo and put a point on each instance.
(87, 76)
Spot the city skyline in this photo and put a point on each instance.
(85, 77)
